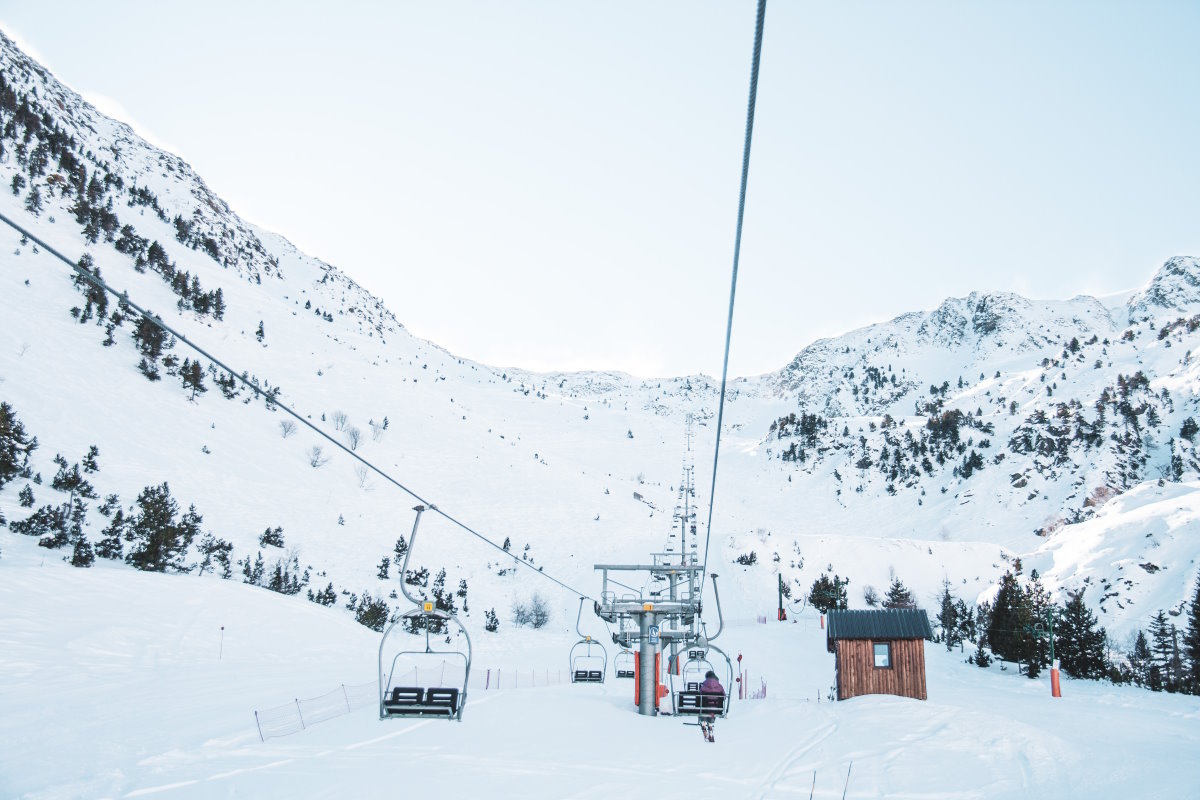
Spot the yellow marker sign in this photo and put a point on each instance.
(588, 638)
(429, 606)
(647, 606)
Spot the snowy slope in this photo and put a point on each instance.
(155, 705)
(547, 459)
(809, 480)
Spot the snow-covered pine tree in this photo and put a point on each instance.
(15, 445)
(384, 566)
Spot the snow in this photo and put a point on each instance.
(116, 684)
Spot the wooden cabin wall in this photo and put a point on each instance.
(857, 674)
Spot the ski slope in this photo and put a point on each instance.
(118, 684)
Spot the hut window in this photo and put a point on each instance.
(883, 655)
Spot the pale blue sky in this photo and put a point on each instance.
(554, 185)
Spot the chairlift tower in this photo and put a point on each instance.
(659, 622)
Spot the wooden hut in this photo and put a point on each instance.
(879, 652)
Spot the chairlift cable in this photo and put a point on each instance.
(124, 298)
(737, 249)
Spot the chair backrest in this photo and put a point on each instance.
(407, 694)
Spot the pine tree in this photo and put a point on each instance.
(981, 657)
(1009, 617)
(947, 618)
(82, 555)
(898, 596)
(828, 595)
(69, 479)
(1079, 643)
(90, 466)
(192, 375)
(109, 545)
(384, 566)
(253, 573)
(15, 445)
(33, 201)
(1038, 601)
(1191, 644)
(160, 538)
(400, 549)
(271, 537)
(1141, 660)
(216, 550)
(491, 621)
(325, 597)
(462, 593)
(372, 613)
(1162, 637)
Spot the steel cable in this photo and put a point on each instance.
(124, 298)
(737, 250)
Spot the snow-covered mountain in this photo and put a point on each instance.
(939, 445)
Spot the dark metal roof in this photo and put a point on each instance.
(890, 623)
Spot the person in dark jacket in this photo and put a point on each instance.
(711, 685)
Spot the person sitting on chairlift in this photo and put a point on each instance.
(711, 684)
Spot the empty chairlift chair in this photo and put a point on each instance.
(396, 697)
(587, 666)
(623, 664)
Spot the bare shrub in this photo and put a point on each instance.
(287, 427)
(353, 437)
(376, 432)
(362, 474)
(316, 459)
(339, 420)
(535, 613)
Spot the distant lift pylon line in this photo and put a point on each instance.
(737, 250)
(124, 297)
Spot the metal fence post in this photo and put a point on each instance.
(347, 696)
(300, 713)
(258, 725)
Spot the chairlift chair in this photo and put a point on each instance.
(584, 668)
(397, 701)
(623, 663)
(689, 700)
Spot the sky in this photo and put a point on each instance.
(554, 185)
